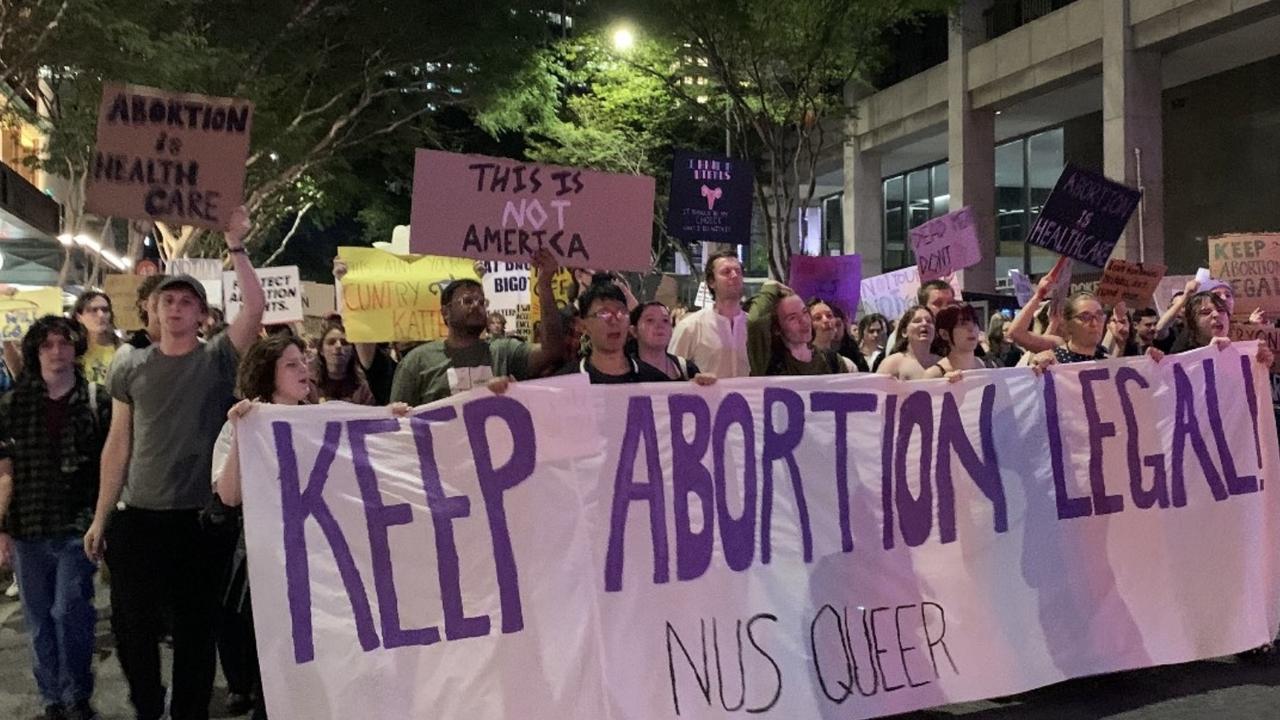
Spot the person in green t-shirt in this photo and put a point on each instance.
(440, 368)
(780, 336)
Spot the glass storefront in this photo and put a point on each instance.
(1025, 169)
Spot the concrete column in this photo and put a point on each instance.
(1132, 118)
(971, 144)
(862, 207)
(862, 204)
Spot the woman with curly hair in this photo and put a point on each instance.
(275, 371)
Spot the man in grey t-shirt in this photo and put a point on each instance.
(169, 401)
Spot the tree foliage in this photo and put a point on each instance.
(776, 69)
(577, 104)
(334, 83)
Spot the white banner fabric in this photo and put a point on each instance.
(815, 547)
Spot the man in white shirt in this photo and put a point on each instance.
(715, 337)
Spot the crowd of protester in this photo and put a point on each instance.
(121, 453)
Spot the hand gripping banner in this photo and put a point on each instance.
(788, 547)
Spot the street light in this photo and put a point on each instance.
(623, 39)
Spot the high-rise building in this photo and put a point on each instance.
(985, 108)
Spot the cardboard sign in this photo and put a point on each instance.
(498, 209)
(283, 289)
(207, 270)
(1266, 333)
(175, 157)
(123, 291)
(20, 310)
(1251, 264)
(711, 197)
(668, 292)
(319, 300)
(1084, 216)
(892, 293)
(834, 278)
(946, 244)
(1133, 283)
(396, 298)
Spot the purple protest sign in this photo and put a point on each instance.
(836, 279)
(710, 198)
(946, 244)
(1084, 216)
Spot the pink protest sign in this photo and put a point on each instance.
(499, 209)
(836, 279)
(946, 244)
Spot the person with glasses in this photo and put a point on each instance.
(606, 322)
(462, 360)
(93, 311)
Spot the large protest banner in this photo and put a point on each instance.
(19, 310)
(844, 546)
(837, 279)
(946, 244)
(1251, 264)
(710, 198)
(892, 293)
(498, 209)
(176, 157)
(1084, 216)
(396, 298)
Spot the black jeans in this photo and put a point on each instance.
(162, 560)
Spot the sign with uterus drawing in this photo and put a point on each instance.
(710, 198)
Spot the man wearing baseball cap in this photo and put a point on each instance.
(169, 401)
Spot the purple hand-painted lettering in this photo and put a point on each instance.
(737, 535)
(1158, 493)
(639, 426)
(444, 510)
(1103, 504)
(378, 519)
(495, 482)
(781, 445)
(1068, 507)
(1236, 484)
(915, 514)
(1187, 427)
(690, 476)
(296, 505)
(985, 470)
(840, 405)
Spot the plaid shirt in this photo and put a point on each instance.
(55, 480)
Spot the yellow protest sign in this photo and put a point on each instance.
(396, 298)
(123, 291)
(561, 284)
(24, 307)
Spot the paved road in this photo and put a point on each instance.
(1222, 689)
